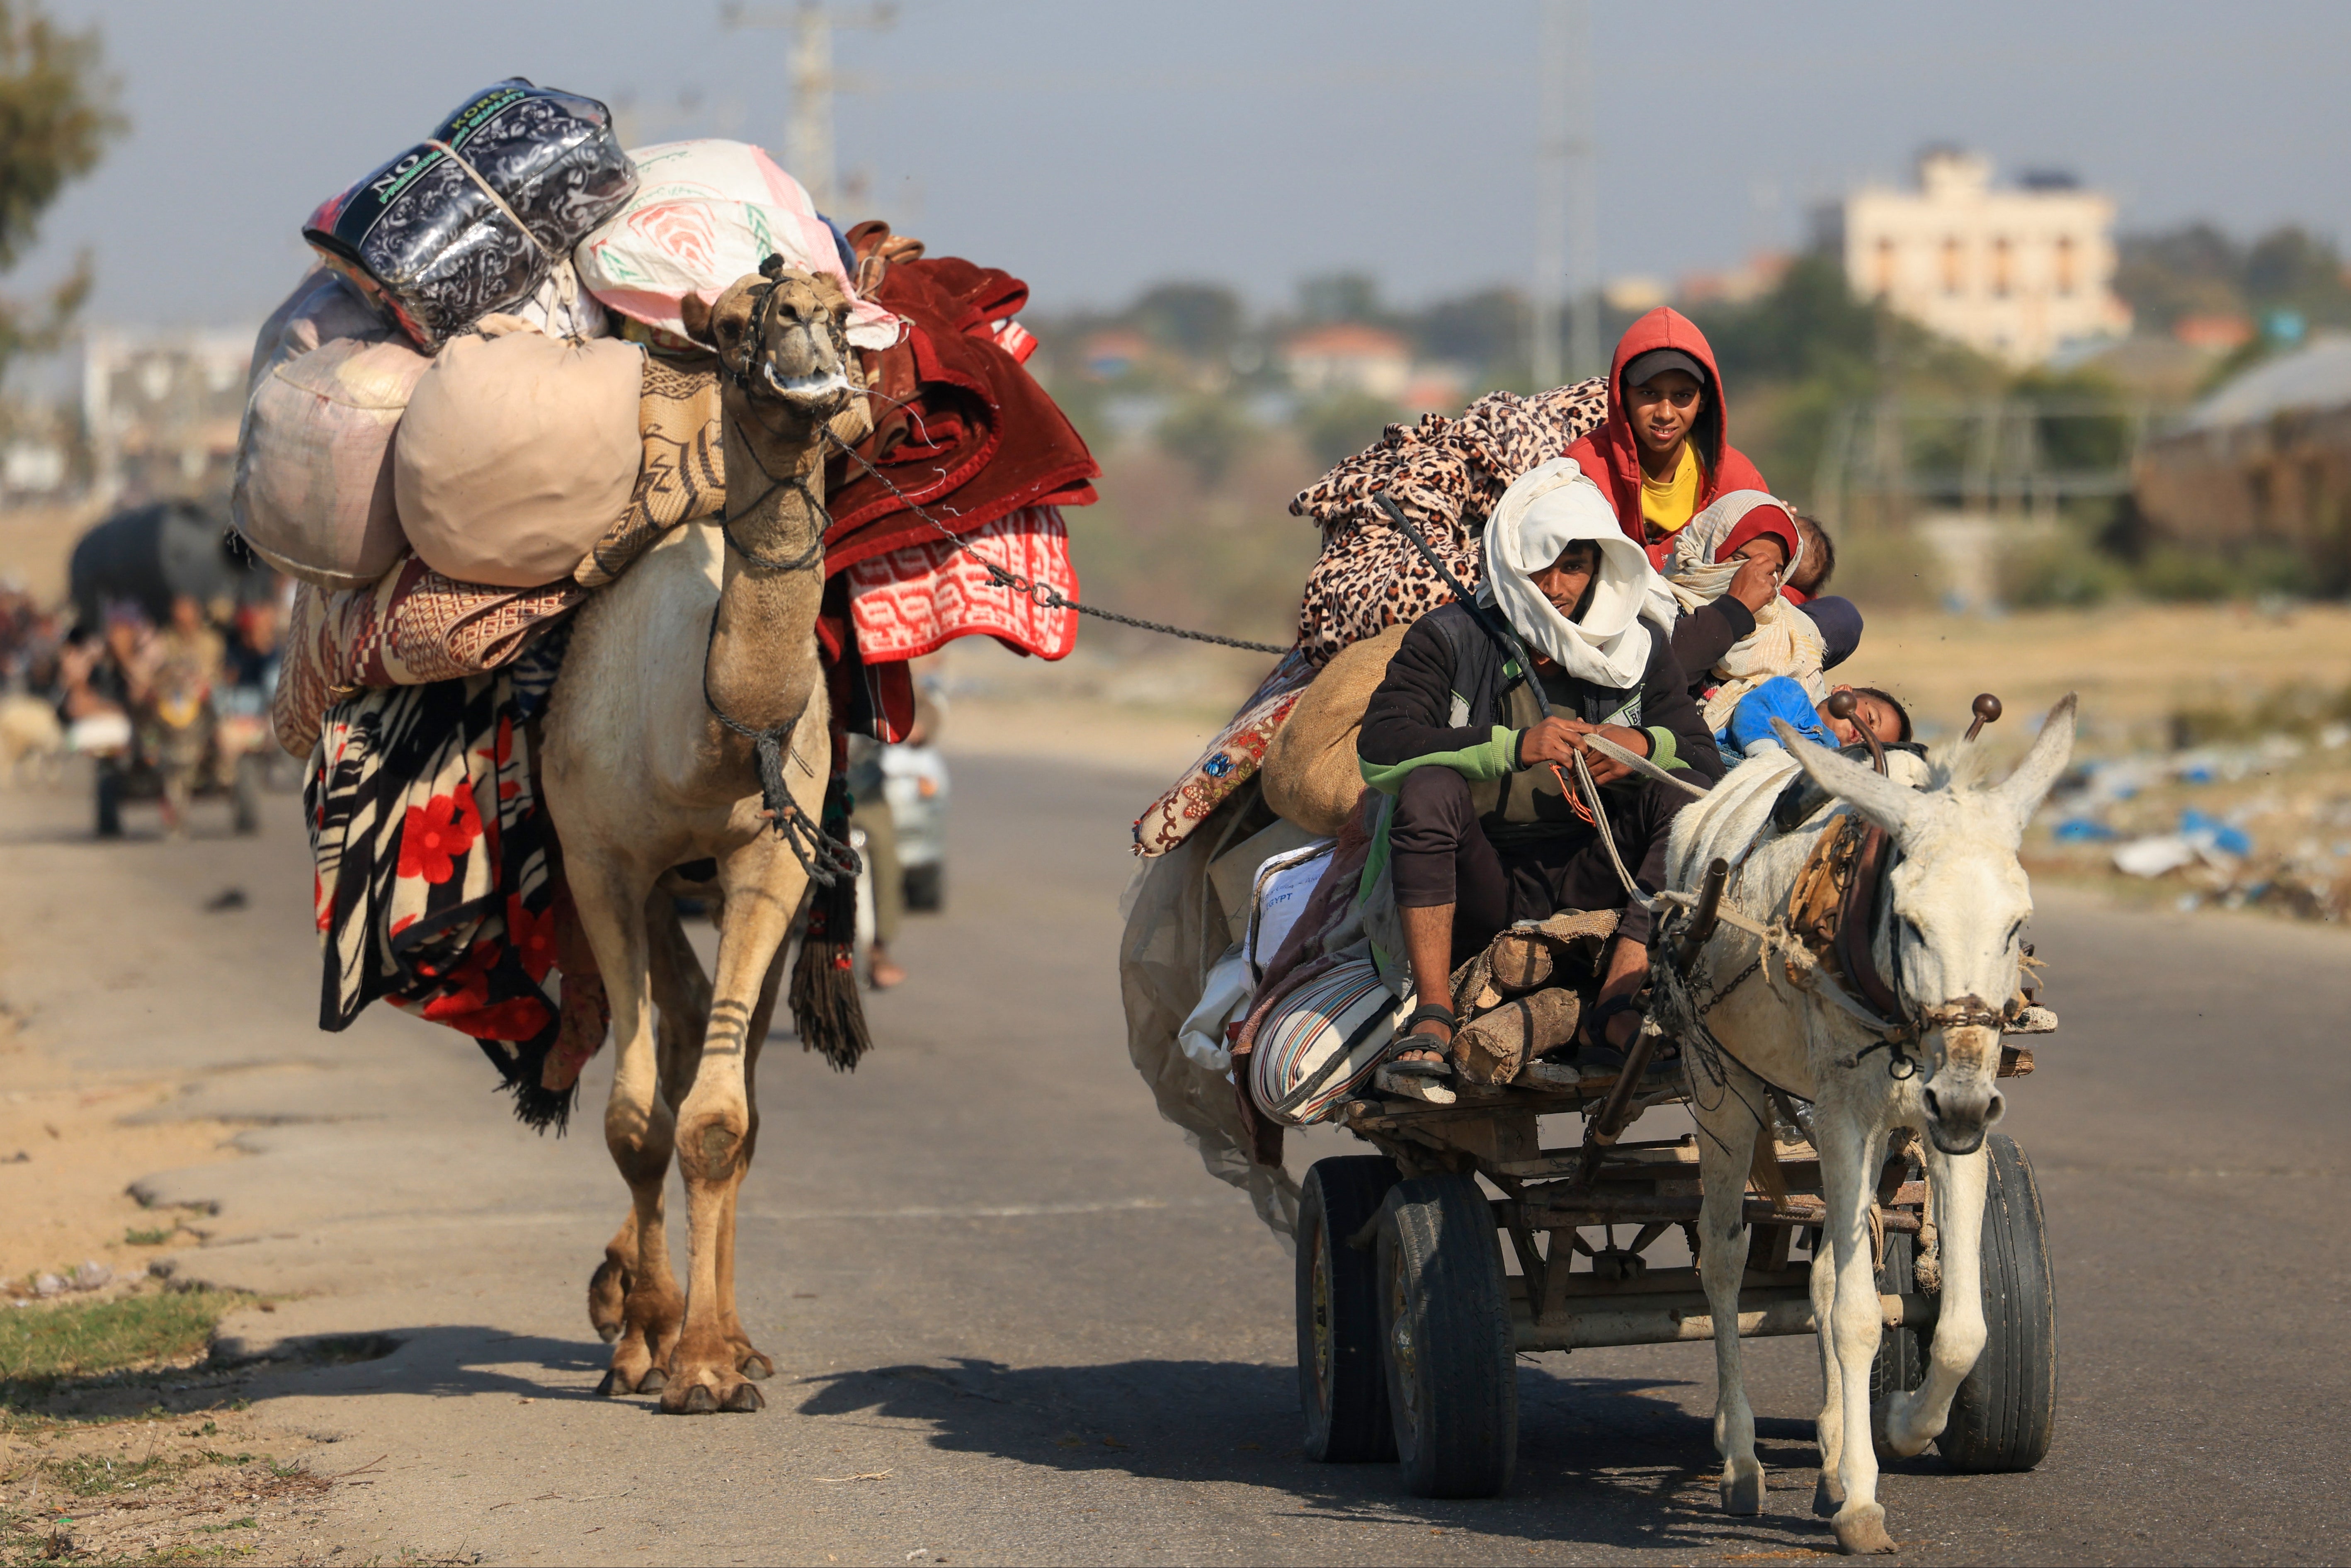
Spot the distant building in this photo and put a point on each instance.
(161, 412)
(1348, 357)
(2014, 273)
(1112, 352)
(2266, 460)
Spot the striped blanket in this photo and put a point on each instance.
(439, 887)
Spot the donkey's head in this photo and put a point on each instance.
(1952, 928)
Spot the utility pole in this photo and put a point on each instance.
(1565, 231)
(808, 132)
(1551, 191)
(1584, 357)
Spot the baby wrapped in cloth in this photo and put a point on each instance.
(1699, 570)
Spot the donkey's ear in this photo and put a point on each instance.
(1880, 799)
(2024, 790)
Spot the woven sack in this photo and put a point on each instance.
(519, 453)
(313, 493)
(1322, 1042)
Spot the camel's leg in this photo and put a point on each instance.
(1854, 1323)
(1726, 1145)
(639, 1129)
(1957, 1182)
(681, 994)
(715, 1130)
(748, 1359)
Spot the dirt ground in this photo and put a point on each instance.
(65, 1148)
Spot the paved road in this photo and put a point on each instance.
(994, 1279)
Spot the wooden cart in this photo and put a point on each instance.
(1410, 1322)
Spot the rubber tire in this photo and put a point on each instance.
(927, 887)
(1344, 1390)
(245, 797)
(2003, 1411)
(109, 802)
(1445, 1325)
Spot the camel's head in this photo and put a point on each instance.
(783, 347)
(1951, 942)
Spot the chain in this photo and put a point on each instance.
(1042, 594)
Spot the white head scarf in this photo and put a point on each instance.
(1548, 509)
(1693, 567)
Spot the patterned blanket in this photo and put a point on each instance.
(439, 885)
(1443, 474)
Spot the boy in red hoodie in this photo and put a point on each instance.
(1662, 456)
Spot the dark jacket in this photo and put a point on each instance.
(1449, 700)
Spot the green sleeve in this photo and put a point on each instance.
(1495, 758)
(1662, 750)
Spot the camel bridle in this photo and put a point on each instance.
(825, 859)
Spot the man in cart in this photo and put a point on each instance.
(1490, 825)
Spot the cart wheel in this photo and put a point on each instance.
(245, 796)
(109, 800)
(1341, 1384)
(2002, 1413)
(927, 886)
(1445, 1322)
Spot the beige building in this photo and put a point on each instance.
(2015, 273)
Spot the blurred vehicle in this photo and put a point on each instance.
(914, 782)
(150, 556)
(177, 748)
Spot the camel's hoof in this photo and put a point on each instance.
(695, 1399)
(1828, 1496)
(757, 1366)
(654, 1381)
(1861, 1530)
(1743, 1494)
(746, 1399)
(614, 1385)
(607, 1291)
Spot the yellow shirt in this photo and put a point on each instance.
(1667, 504)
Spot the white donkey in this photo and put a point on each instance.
(1949, 937)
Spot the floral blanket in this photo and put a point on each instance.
(439, 887)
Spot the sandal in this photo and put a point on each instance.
(1596, 1049)
(1405, 1039)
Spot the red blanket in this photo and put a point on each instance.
(961, 429)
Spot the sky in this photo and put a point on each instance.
(1093, 147)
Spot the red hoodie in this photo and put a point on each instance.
(1612, 454)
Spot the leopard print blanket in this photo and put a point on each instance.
(1446, 475)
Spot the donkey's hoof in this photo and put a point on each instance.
(1828, 1496)
(654, 1381)
(614, 1385)
(756, 1366)
(1861, 1530)
(695, 1399)
(746, 1399)
(608, 1333)
(1742, 1490)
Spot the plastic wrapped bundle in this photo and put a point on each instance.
(473, 220)
(313, 493)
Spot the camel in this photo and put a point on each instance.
(648, 768)
(1949, 939)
